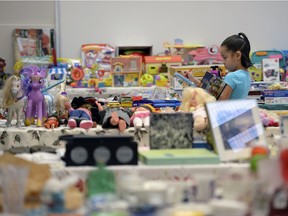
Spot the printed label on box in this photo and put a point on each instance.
(271, 70)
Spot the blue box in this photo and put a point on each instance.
(275, 93)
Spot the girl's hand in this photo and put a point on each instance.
(189, 74)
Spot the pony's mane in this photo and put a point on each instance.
(8, 98)
(25, 74)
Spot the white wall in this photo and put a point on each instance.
(153, 22)
(130, 23)
(22, 14)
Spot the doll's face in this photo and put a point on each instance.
(193, 102)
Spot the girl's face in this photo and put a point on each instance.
(232, 60)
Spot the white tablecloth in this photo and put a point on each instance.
(172, 173)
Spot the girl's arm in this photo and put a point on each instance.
(192, 78)
(225, 95)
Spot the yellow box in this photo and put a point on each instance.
(198, 70)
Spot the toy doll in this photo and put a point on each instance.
(60, 100)
(80, 117)
(114, 117)
(140, 117)
(193, 100)
(52, 122)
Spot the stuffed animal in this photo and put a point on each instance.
(269, 119)
(193, 100)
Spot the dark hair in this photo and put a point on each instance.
(240, 43)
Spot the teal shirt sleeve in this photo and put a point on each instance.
(230, 80)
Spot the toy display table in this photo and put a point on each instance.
(109, 91)
(171, 172)
(34, 136)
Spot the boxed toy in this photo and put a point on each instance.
(31, 42)
(275, 96)
(126, 71)
(198, 70)
(271, 70)
(96, 64)
(256, 73)
(161, 64)
(134, 50)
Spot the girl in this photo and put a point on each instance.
(235, 53)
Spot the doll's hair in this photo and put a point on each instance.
(8, 98)
(240, 43)
(202, 97)
(60, 101)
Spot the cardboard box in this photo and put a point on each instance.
(275, 96)
(178, 157)
(198, 70)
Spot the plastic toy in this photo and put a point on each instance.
(194, 100)
(181, 49)
(57, 73)
(206, 56)
(153, 64)
(152, 69)
(146, 80)
(13, 99)
(161, 80)
(34, 81)
(125, 66)
(52, 122)
(77, 75)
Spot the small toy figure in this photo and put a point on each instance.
(13, 99)
(34, 82)
(91, 58)
(193, 100)
(215, 70)
(80, 117)
(52, 122)
(60, 100)
(140, 117)
(114, 117)
(83, 112)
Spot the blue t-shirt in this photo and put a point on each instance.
(240, 82)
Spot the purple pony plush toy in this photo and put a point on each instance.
(34, 79)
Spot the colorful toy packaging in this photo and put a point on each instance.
(3, 75)
(31, 42)
(96, 64)
(257, 58)
(126, 71)
(159, 68)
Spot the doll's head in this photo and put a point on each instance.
(193, 97)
